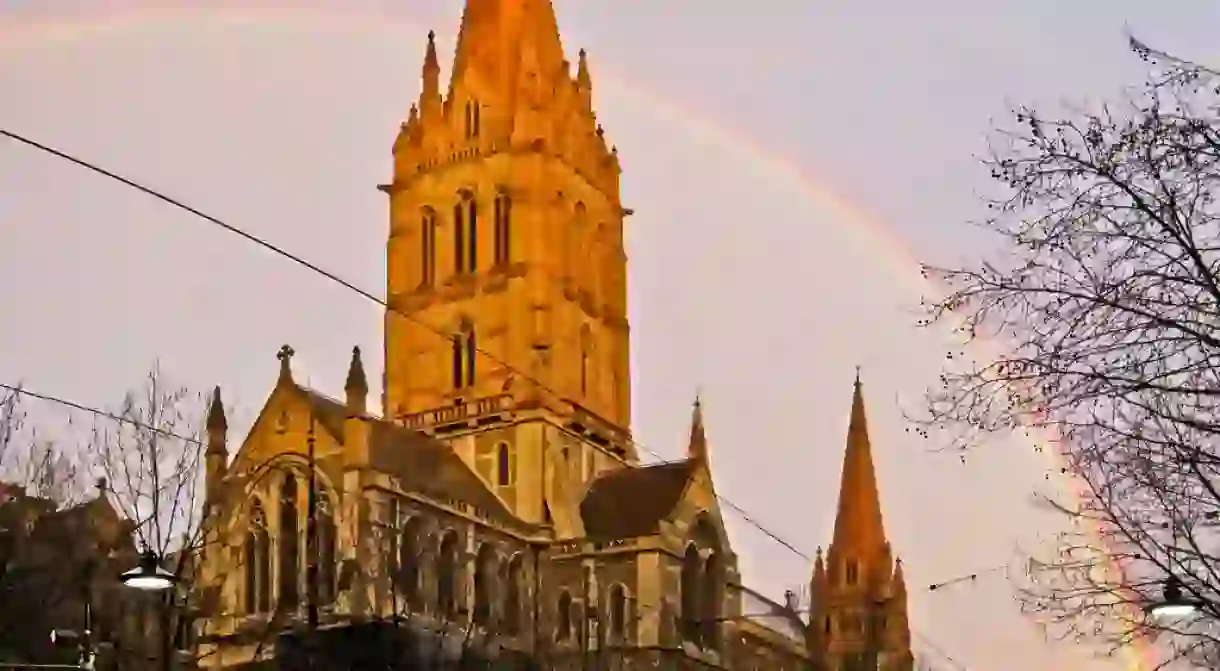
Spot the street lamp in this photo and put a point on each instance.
(1173, 603)
(148, 575)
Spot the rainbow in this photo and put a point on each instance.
(40, 23)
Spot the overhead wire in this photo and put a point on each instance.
(335, 278)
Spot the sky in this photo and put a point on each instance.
(789, 164)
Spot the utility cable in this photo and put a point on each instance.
(931, 644)
(275, 249)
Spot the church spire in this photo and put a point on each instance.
(858, 524)
(497, 35)
(697, 449)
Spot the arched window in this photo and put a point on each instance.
(852, 571)
(459, 238)
(472, 119)
(712, 593)
(472, 242)
(574, 241)
(289, 541)
(327, 538)
(512, 598)
(447, 576)
(427, 252)
(618, 613)
(503, 226)
(464, 350)
(258, 563)
(691, 588)
(586, 359)
(504, 465)
(563, 617)
(410, 564)
(487, 567)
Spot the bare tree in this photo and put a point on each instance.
(30, 461)
(1097, 334)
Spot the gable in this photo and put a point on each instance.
(698, 510)
(289, 410)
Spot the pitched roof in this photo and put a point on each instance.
(631, 502)
(331, 413)
(429, 466)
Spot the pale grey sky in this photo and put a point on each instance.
(779, 156)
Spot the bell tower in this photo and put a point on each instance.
(505, 247)
(506, 229)
(859, 614)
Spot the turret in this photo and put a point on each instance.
(355, 428)
(216, 453)
(584, 83)
(430, 89)
(696, 449)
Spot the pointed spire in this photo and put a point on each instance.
(496, 34)
(583, 79)
(430, 91)
(357, 385)
(217, 422)
(858, 522)
(697, 448)
(899, 580)
(356, 381)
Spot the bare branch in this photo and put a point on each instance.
(1104, 319)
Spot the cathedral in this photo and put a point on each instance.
(499, 507)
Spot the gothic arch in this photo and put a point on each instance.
(427, 246)
(448, 575)
(619, 613)
(257, 559)
(692, 590)
(564, 608)
(464, 354)
(504, 465)
(703, 583)
(288, 542)
(503, 223)
(411, 544)
(327, 538)
(514, 603)
(486, 572)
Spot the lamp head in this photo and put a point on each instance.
(148, 575)
(1173, 603)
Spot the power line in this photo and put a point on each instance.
(22, 391)
(926, 640)
(746, 516)
(368, 296)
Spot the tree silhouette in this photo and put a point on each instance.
(1098, 334)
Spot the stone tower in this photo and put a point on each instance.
(506, 230)
(859, 614)
(506, 254)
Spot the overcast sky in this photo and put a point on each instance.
(787, 161)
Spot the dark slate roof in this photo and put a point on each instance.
(428, 466)
(631, 502)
